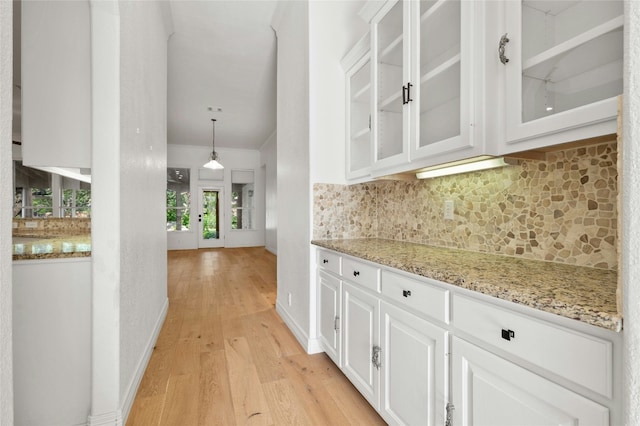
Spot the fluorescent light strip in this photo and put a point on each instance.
(491, 163)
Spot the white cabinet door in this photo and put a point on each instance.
(445, 73)
(489, 390)
(427, 72)
(392, 86)
(56, 84)
(414, 369)
(357, 65)
(564, 70)
(361, 340)
(329, 298)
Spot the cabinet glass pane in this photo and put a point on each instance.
(390, 83)
(439, 70)
(571, 54)
(360, 118)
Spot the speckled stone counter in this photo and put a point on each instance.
(29, 248)
(584, 294)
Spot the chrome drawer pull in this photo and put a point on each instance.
(503, 42)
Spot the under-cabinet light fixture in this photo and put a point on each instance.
(445, 170)
(213, 163)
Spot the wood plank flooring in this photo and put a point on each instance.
(224, 356)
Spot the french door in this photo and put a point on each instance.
(211, 218)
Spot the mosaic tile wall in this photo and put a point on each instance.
(561, 210)
(51, 227)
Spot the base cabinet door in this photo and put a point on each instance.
(490, 390)
(330, 308)
(360, 344)
(414, 369)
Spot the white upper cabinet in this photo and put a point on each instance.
(392, 87)
(442, 68)
(563, 65)
(56, 84)
(357, 65)
(426, 72)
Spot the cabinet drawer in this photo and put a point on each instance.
(329, 261)
(583, 359)
(366, 275)
(419, 296)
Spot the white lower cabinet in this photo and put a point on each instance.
(423, 352)
(360, 340)
(492, 391)
(414, 368)
(330, 310)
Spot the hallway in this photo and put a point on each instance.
(224, 357)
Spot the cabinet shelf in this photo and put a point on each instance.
(433, 10)
(391, 54)
(359, 133)
(581, 39)
(359, 94)
(391, 103)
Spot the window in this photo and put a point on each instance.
(41, 194)
(242, 199)
(178, 199)
(76, 202)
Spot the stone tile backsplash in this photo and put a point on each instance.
(562, 209)
(51, 227)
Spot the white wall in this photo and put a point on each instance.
(193, 157)
(52, 341)
(269, 160)
(630, 264)
(6, 202)
(143, 163)
(294, 197)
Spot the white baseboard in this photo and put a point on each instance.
(311, 346)
(144, 361)
(106, 419)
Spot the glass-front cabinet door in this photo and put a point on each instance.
(563, 64)
(443, 65)
(423, 72)
(357, 65)
(393, 90)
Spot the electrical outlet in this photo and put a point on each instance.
(289, 298)
(448, 210)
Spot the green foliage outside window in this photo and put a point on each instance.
(173, 210)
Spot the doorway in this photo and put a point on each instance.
(211, 218)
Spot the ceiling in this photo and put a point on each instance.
(221, 56)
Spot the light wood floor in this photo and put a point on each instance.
(224, 356)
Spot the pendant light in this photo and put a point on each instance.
(213, 158)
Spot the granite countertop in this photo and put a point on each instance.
(51, 247)
(581, 293)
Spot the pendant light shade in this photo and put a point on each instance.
(213, 158)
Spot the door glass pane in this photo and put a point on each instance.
(210, 215)
(439, 70)
(390, 83)
(571, 54)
